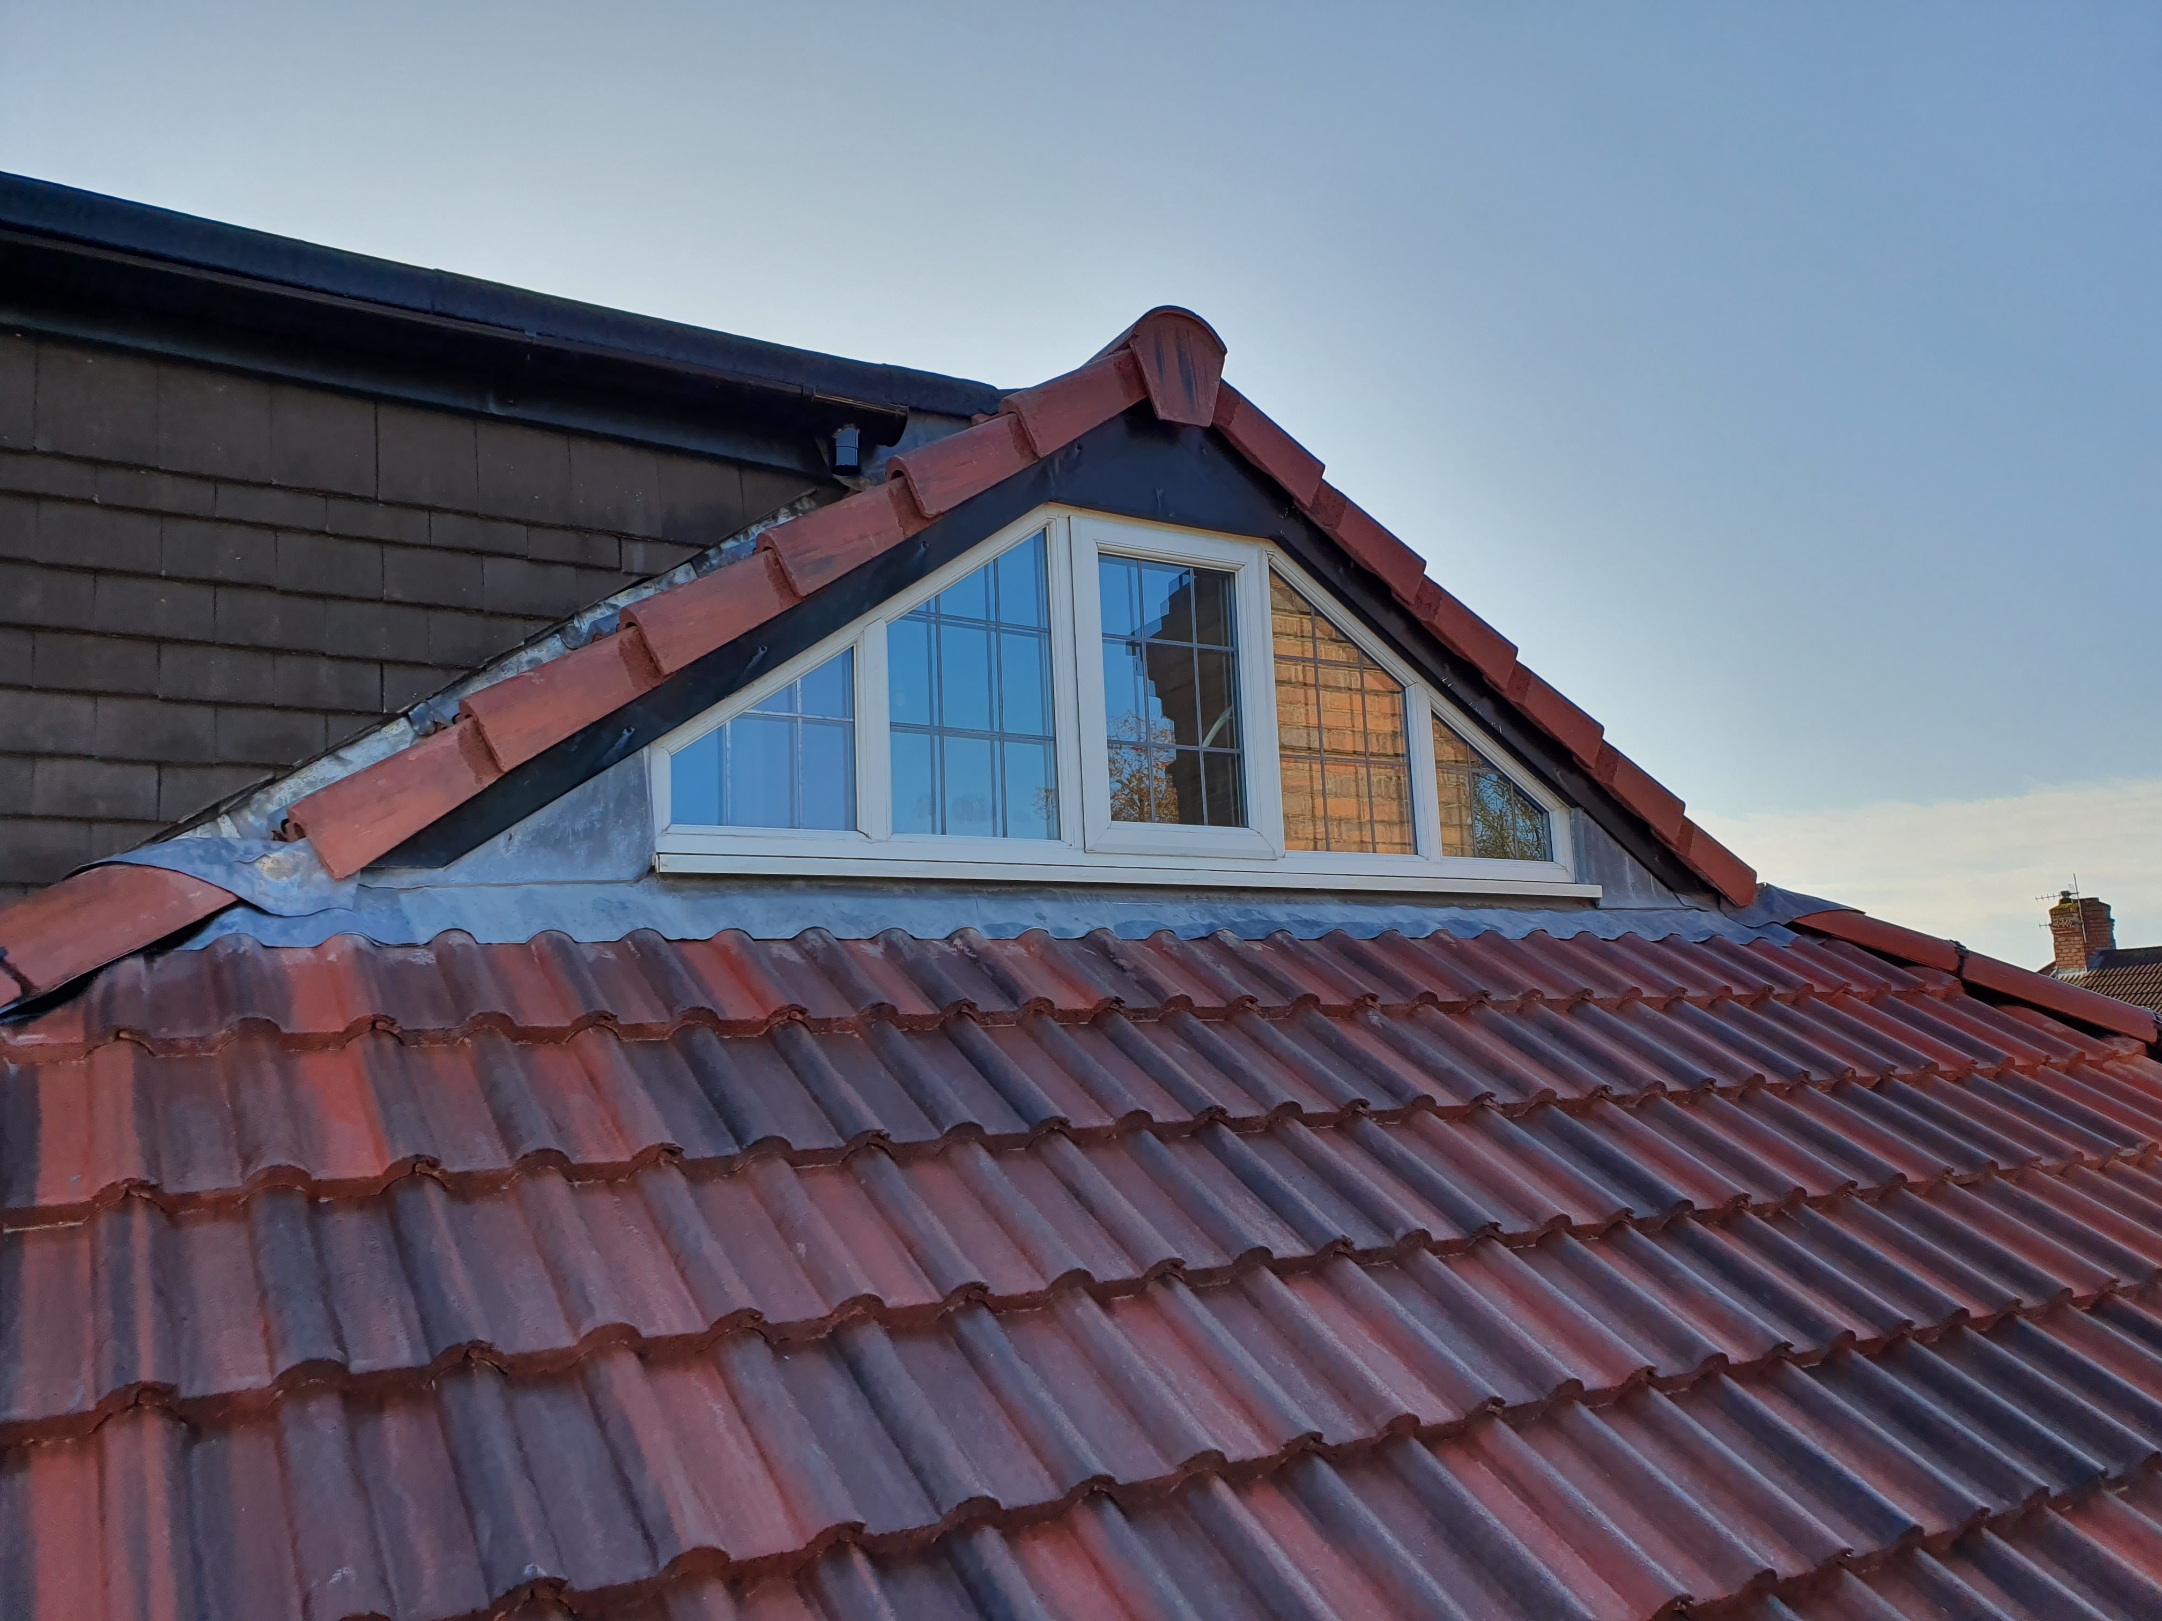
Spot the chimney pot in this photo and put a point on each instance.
(2079, 928)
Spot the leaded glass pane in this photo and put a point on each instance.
(1171, 693)
(970, 672)
(788, 761)
(1484, 813)
(1340, 730)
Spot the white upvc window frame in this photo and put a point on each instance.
(1091, 847)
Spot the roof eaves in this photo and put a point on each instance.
(60, 214)
(1985, 972)
(1170, 358)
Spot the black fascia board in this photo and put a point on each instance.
(77, 264)
(1132, 466)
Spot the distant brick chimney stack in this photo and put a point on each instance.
(2079, 926)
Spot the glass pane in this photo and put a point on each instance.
(1168, 671)
(1343, 784)
(964, 676)
(1212, 608)
(1179, 797)
(1483, 812)
(915, 790)
(1120, 581)
(908, 670)
(1126, 714)
(1216, 687)
(826, 794)
(1167, 603)
(967, 782)
(1302, 803)
(790, 761)
(1136, 776)
(1022, 597)
(694, 783)
(1340, 732)
(1024, 683)
(829, 690)
(1171, 679)
(967, 599)
(1220, 780)
(1393, 834)
(972, 675)
(761, 771)
(1031, 796)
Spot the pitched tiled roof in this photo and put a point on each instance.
(2130, 974)
(1074, 1278)
(1169, 359)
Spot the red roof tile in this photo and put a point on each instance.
(1267, 446)
(684, 625)
(1056, 413)
(1473, 1277)
(519, 719)
(377, 808)
(948, 471)
(86, 921)
(2070, 1001)
(1182, 364)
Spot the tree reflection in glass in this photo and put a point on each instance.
(1171, 693)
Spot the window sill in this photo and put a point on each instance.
(1058, 863)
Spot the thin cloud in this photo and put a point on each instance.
(1974, 869)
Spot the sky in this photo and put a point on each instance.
(1785, 380)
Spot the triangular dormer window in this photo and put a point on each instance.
(1086, 698)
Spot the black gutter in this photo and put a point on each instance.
(81, 265)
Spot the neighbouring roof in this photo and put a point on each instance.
(2129, 973)
(1545, 1277)
(99, 267)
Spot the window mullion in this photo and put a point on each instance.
(874, 736)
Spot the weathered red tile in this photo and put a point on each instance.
(377, 808)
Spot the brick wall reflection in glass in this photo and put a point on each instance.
(969, 673)
(1340, 727)
(1171, 693)
(1483, 813)
(787, 762)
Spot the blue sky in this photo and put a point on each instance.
(1785, 380)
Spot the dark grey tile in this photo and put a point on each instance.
(97, 404)
(212, 422)
(321, 441)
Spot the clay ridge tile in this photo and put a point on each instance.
(819, 547)
(1988, 973)
(948, 471)
(684, 625)
(359, 818)
(520, 718)
(1267, 446)
(1056, 413)
(86, 921)
(1636, 788)
(1463, 632)
(1181, 360)
(1733, 877)
(1554, 714)
(2072, 1001)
